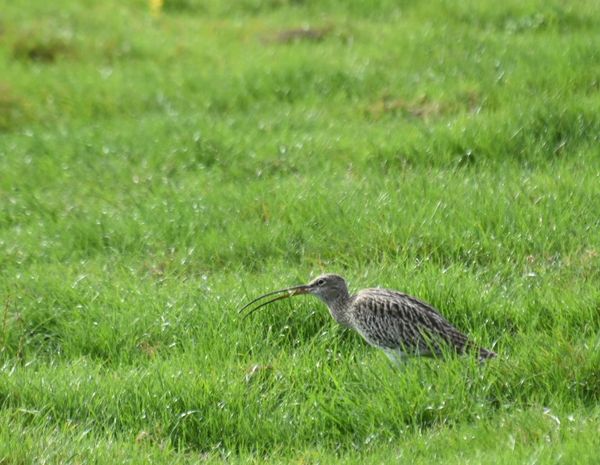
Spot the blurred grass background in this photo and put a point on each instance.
(161, 164)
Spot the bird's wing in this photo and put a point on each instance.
(395, 320)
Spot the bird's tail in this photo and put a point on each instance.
(485, 354)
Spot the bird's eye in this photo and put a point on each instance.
(320, 282)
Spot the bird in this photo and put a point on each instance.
(399, 324)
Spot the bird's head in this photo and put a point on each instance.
(327, 287)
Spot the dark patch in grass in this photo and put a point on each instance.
(276, 166)
(184, 6)
(302, 34)
(588, 384)
(421, 108)
(466, 159)
(41, 48)
(11, 108)
(34, 332)
(208, 152)
(374, 8)
(228, 8)
(149, 348)
(559, 129)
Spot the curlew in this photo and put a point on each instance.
(395, 322)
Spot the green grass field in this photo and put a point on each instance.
(157, 170)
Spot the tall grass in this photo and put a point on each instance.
(159, 168)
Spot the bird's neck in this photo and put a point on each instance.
(339, 309)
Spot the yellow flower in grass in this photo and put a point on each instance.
(156, 7)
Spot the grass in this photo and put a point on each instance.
(158, 170)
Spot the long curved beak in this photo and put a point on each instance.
(285, 294)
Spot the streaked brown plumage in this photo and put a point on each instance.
(397, 323)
